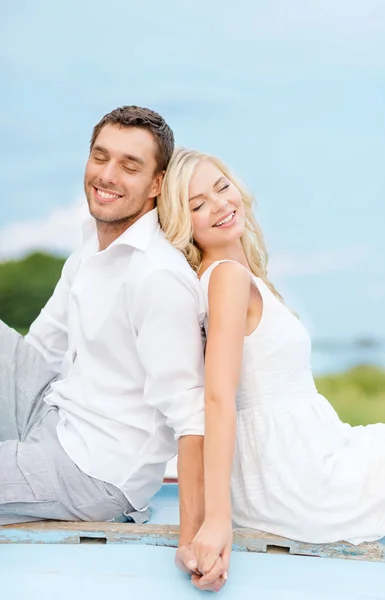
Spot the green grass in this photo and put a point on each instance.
(358, 395)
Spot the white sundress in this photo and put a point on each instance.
(298, 471)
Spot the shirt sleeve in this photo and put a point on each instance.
(49, 332)
(167, 320)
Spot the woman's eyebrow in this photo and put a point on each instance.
(202, 195)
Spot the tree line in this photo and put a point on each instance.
(25, 287)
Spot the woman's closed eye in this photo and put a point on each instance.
(224, 187)
(198, 207)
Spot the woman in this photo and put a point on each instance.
(293, 467)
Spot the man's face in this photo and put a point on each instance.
(121, 180)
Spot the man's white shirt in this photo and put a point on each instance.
(123, 330)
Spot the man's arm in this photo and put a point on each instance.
(169, 341)
(191, 487)
(49, 332)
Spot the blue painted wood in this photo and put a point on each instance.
(165, 505)
(97, 572)
(163, 531)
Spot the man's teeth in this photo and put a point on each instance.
(106, 195)
(227, 220)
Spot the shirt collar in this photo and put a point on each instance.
(138, 235)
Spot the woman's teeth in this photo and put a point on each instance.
(227, 220)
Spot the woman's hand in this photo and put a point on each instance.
(186, 562)
(213, 541)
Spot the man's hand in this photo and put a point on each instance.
(211, 582)
(185, 560)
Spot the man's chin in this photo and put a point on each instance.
(104, 217)
(101, 213)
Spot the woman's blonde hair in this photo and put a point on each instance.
(175, 216)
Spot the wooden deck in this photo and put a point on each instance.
(95, 561)
(164, 531)
(245, 540)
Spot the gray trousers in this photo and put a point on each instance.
(37, 478)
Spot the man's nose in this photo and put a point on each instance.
(109, 172)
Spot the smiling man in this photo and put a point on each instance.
(141, 159)
(108, 383)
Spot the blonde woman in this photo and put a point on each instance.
(293, 468)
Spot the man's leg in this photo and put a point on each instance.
(38, 480)
(18, 503)
(24, 374)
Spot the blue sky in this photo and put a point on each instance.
(290, 94)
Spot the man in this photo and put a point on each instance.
(110, 374)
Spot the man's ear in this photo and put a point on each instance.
(157, 184)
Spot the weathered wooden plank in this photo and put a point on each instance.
(257, 541)
(57, 532)
(245, 540)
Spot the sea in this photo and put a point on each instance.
(336, 358)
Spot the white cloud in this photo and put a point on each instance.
(377, 290)
(350, 18)
(317, 262)
(58, 232)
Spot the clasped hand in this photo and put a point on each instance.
(207, 558)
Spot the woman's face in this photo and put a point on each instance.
(216, 206)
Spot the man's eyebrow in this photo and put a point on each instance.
(202, 195)
(129, 157)
(133, 158)
(99, 149)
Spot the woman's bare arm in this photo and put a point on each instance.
(229, 294)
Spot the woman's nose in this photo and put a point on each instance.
(219, 204)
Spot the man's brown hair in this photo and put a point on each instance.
(136, 116)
